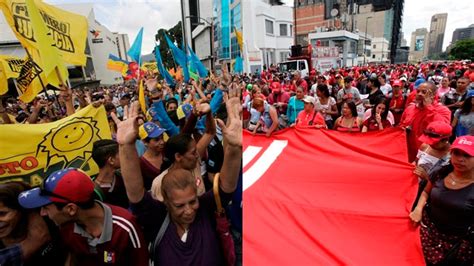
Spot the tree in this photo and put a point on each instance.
(175, 34)
(463, 49)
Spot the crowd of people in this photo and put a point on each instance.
(432, 101)
(152, 198)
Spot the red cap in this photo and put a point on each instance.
(436, 131)
(465, 144)
(275, 87)
(63, 186)
(397, 83)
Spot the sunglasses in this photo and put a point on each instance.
(45, 192)
(435, 135)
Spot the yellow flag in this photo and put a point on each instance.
(52, 146)
(9, 68)
(240, 39)
(68, 30)
(29, 80)
(48, 57)
(141, 96)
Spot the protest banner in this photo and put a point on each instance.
(68, 30)
(319, 197)
(30, 153)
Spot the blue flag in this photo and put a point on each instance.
(179, 57)
(135, 51)
(239, 65)
(164, 73)
(196, 64)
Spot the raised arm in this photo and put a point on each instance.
(127, 132)
(232, 132)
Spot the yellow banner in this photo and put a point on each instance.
(9, 68)
(31, 152)
(150, 67)
(68, 30)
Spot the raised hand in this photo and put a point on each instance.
(127, 130)
(232, 130)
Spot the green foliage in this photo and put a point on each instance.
(175, 34)
(463, 49)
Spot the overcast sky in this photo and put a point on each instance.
(127, 16)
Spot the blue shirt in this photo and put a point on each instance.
(295, 106)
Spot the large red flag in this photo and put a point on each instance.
(316, 197)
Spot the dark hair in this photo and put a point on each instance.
(102, 150)
(353, 108)
(380, 100)
(177, 179)
(177, 144)
(324, 89)
(170, 101)
(375, 82)
(466, 106)
(9, 193)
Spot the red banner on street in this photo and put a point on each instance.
(318, 197)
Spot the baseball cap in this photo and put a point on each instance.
(403, 79)
(275, 87)
(150, 130)
(435, 131)
(397, 82)
(418, 82)
(309, 99)
(69, 185)
(465, 144)
(249, 87)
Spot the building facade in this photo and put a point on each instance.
(378, 18)
(419, 45)
(463, 34)
(380, 51)
(436, 36)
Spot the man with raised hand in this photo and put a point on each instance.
(182, 228)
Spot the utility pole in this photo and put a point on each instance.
(365, 45)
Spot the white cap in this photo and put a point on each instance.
(309, 99)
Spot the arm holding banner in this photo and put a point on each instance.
(274, 117)
(416, 214)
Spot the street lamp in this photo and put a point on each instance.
(211, 36)
(365, 39)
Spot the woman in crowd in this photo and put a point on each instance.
(189, 236)
(268, 117)
(443, 87)
(397, 102)
(349, 120)
(310, 117)
(448, 216)
(463, 120)
(326, 104)
(24, 236)
(378, 118)
(295, 105)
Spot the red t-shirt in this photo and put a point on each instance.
(126, 246)
(304, 119)
(418, 119)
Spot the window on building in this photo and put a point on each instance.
(284, 56)
(283, 30)
(235, 17)
(269, 26)
(375, 46)
(291, 30)
(373, 56)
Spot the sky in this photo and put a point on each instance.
(127, 16)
